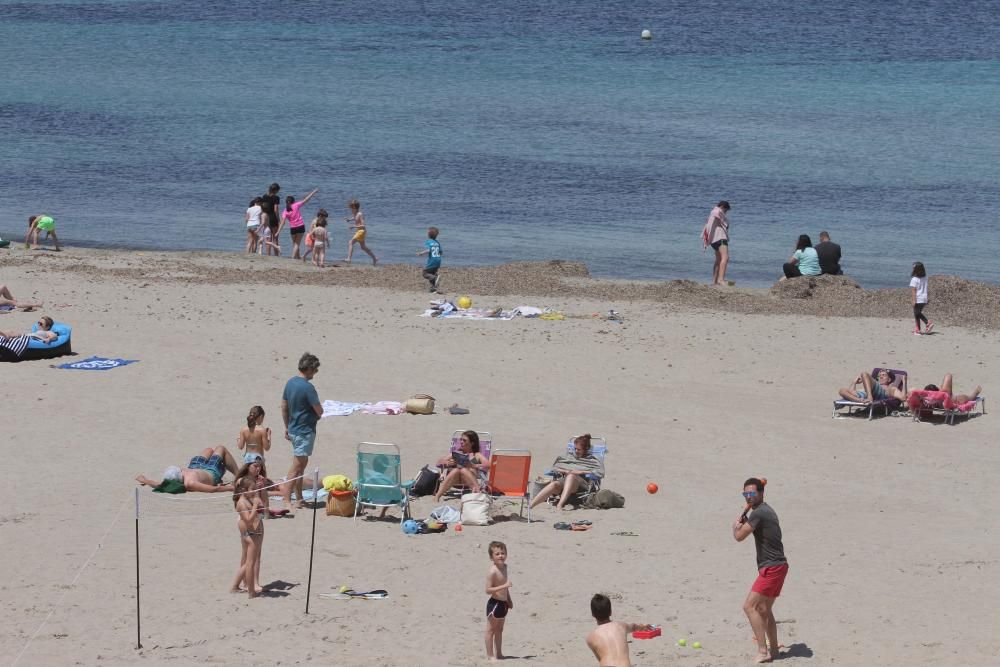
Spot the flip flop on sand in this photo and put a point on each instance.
(562, 525)
(580, 527)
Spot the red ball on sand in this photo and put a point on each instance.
(458, 528)
(652, 487)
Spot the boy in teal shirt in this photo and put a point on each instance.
(433, 251)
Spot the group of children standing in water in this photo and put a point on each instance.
(264, 223)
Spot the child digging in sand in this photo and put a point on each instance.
(247, 501)
(609, 640)
(499, 602)
(41, 223)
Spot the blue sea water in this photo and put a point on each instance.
(524, 130)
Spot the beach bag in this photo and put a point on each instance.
(419, 404)
(426, 481)
(537, 485)
(604, 499)
(340, 503)
(476, 509)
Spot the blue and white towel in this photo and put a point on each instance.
(96, 364)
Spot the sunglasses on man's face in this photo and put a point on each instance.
(749, 494)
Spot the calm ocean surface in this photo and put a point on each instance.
(524, 130)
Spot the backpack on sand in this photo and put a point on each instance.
(426, 481)
(604, 499)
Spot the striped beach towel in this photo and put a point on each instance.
(14, 346)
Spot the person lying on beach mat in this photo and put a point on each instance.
(7, 299)
(204, 473)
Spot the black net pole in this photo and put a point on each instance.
(312, 542)
(138, 616)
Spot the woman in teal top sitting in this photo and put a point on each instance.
(804, 261)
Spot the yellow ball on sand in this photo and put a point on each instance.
(682, 642)
(464, 302)
(344, 589)
(696, 645)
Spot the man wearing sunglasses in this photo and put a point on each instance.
(772, 567)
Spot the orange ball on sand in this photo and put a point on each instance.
(652, 487)
(458, 528)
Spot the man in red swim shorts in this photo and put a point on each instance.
(772, 567)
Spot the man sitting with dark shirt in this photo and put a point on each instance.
(829, 255)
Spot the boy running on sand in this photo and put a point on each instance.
(499, 603)
(433, 251)
(609, 640)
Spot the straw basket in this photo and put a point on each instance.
(340, 503)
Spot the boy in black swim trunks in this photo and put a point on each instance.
(499, 602)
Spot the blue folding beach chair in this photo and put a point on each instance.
(599, 448)
(378, 483)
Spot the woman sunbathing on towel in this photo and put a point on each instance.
(469, 469)
(7, 299)
(570, 471)
(933, 396)
(875, 389)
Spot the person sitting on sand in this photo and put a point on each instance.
(44, 333)
(875, 389)
(204, 473)
(609, 640)
(570, 471)
(468, 469)
(7, 299)
(804, 261)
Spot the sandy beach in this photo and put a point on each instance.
(889, 525)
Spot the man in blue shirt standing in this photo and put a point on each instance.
(433, 251)
(301, 410)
